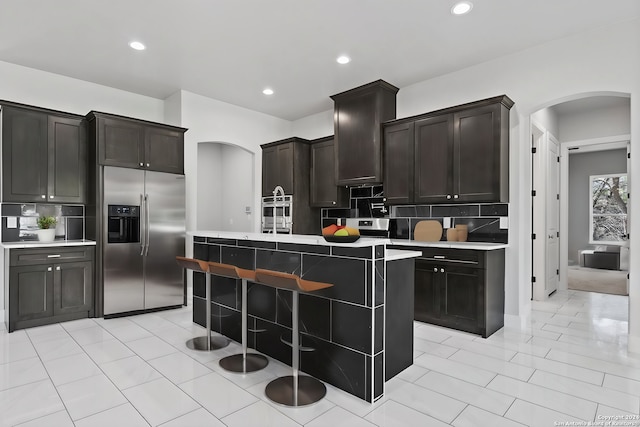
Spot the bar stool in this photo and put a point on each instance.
(293, 390)
(242, 362)
(207, 342)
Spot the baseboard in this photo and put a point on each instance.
(511, 321)
(2, 320)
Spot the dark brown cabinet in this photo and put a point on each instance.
(324, 191)
(461, 289)
(287, 163)
(44, 156)
(461, 154)
(358, 114)
(50, 285)
(137, 144)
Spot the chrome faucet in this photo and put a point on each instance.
(278, 190)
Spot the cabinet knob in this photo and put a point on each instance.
(51, 197)
(435, 269)
(448, 196)
(141, 164)
(333, 203)
(49, 269)
(455, 196)
(43, 196)
(442, 270)
(148, 165)
(57, 268)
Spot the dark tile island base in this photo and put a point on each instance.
(355, 335)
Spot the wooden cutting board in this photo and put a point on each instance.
(428, 231)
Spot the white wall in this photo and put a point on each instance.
(315, 126)
(238, 170)
(603, 60)
(595, 123)
(209, 120)
(209, 186)
(548, 119)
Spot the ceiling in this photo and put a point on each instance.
(231, 50)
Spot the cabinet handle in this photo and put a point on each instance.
(442, 270)
(49, 269)
(448, 196)
(57, 268)
(435, 269)
(141, 164)
(51, 197)
(439, 256)
(455, 196)
(54, 256)
(43, 196)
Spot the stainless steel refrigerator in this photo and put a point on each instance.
(144, 229)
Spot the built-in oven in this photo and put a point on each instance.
(277, 214)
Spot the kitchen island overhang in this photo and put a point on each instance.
(355, 335)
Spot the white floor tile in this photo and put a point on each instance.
(13, 337)
(174, 335)
(57, 419)
(595, 393)
(120, 415)
(56, 348)
(564, 369)
(89, 396)
(455, 369)
(245, 380)
(595, 364)
(28, 402)
(217, 394)
(412, 373)
(422, 400)
(480, 348)
(107, 351)
(74, 325)
(534, 415)
(615, 416)
(151, 348)
(160, 401)
(430, 347)
(178, 367)
(151, 321)
(489, 400)
(338, 417)
(394, 414)
(90, 335)
(625, 385)
(261, 414)
(351, 403)
(130, 332)
(115, 323)
(71, 368)
(475, 417)
(48, 332)
(545, 397)
(21, 372)
(197, 418)
(499, 366)
(129, 372)
(14, 351)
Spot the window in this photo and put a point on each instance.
(608, 211)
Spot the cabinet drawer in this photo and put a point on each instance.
(462, 257)
(51, 255)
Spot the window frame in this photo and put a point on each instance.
(591, 215)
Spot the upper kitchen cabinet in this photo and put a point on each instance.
(278, 165)
(358, 114)
(461, 154)
(324, 191)
(137, 144)
(44, 155)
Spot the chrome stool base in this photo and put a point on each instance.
(310, 390)
(237, 363)
(200, 343)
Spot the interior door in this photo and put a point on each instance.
(552, 216)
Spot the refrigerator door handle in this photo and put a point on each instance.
(146, 226)
(143, 233)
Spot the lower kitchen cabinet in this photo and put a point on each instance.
(50, 285)
(461, 289)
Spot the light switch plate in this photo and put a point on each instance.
(446, 222)
(504, 222)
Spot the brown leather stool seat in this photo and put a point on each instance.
(241, 363)
(293, 390)
(207, 342)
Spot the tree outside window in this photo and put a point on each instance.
(608, 212)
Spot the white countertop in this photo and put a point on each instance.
(397, 254)
(362, 242)
(54, 244)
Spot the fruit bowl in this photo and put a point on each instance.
(340, 239)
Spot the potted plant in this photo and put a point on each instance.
(47, 228)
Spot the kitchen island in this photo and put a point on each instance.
(355, 335)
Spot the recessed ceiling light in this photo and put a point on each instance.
(268, 91)
(343, 59)
(462, 7)
(137, 46)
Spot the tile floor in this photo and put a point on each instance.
(570, 364)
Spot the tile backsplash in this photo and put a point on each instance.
(19, 220)
(486, 222)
